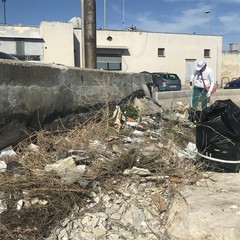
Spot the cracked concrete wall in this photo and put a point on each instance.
(33, 95)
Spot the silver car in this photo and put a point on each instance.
(164, 81)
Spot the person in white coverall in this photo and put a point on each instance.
(201, 83)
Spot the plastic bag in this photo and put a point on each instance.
(213, 90)
(218, 132)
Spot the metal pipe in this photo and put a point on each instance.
(218, 160)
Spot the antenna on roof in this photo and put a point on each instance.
(105, 14)
(123, 7)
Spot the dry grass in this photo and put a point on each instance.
(36, 221)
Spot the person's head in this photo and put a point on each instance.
(201, 65)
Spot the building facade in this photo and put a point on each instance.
(230, 64)
(127, 50)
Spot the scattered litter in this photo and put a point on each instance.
(67, 170)
(33, 147)
(7, 152)
(3, 166)
(137, 171)
(182, 110)
(138, 133)
(34, 200)
(127, 139)
(190, 152)
(117, 118)
(19, 204)
(132, 124)
(126, 199)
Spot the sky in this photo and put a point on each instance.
(216, 17)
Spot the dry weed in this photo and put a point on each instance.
(36, 221)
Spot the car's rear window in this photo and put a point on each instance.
(171, 76)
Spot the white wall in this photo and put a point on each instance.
(230, 66)
(58, 42)
(143, 49)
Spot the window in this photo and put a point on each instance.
(171, 76)
(161, 52)
(207, 53)
(111, 58)
(29, 49)
(109, 62)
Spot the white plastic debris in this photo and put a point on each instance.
(3, 166)
(67, 170)
(61, 165)
(7, 152)
(19, 204)
(33, 147)
(43, 202)
(34, 200)
(137, 171)
(133, 124)
(3, 206)
(127, 140)
(138, 133)
(189, 152)
(191, 147)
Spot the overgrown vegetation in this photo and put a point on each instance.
(130, 111)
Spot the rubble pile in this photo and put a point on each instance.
(103, 180)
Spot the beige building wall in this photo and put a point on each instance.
(58, 42)
(230, 66)
(143, 50)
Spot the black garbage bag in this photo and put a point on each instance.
(218, 132)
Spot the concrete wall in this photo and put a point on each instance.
(34, 95)
(168, 100)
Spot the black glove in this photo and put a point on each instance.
(190, 84)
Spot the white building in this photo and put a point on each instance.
(127, 51)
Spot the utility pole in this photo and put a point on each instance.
(4, 11)
(89, 33)
(82, 36)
